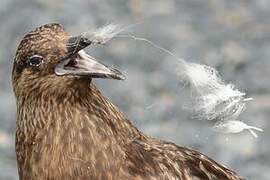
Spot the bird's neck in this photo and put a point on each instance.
(79, 126)
(72, 108)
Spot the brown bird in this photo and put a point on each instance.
(67, 130)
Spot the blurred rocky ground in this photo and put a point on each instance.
(232, 36)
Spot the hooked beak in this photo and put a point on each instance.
(79, 63)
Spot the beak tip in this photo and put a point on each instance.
(117, 74)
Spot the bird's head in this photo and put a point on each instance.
(48, 57)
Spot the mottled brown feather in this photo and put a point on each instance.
(67, 130)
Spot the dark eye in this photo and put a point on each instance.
(35, 60)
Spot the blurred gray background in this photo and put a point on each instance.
(231, 35)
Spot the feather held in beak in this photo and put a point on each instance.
(79, 63)
(102, 35)
(212, 98)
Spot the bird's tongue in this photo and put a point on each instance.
(82, 64)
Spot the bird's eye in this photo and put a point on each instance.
(35, 60)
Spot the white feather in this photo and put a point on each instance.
(104, 34)
(235, 127)
(212, 99)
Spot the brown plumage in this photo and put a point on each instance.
(67, 130)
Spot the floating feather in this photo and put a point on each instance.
(235, 127)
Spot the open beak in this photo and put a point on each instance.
(79, 63)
